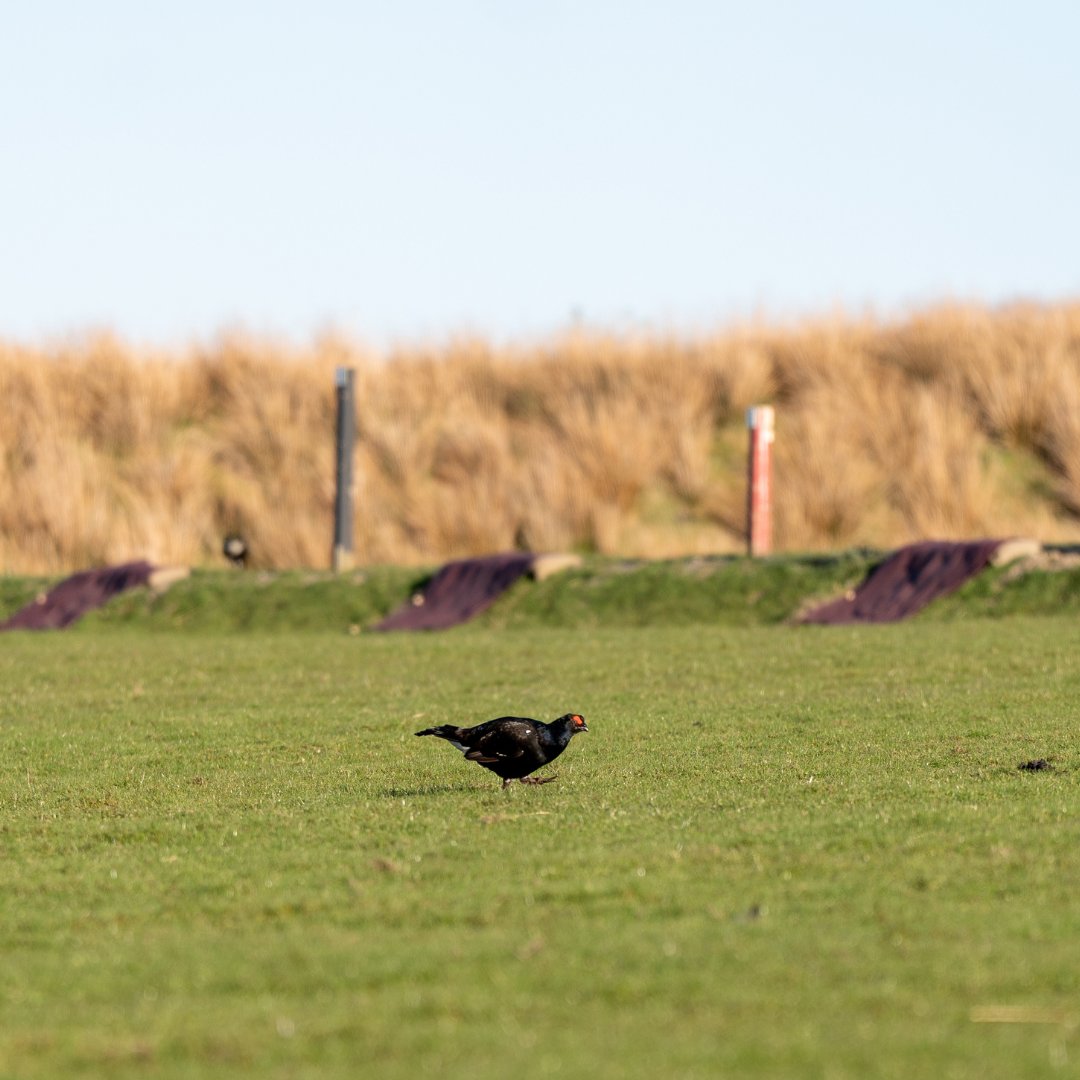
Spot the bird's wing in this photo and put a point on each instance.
(504, 741)
(483, 758)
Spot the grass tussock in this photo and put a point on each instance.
(959, 421)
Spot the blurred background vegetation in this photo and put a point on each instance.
(951, 423)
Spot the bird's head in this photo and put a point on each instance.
(575, 721)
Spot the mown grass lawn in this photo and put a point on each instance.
(778, 852)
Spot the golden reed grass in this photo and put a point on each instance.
(956, 422)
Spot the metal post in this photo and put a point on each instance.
(343, 499)
(760, 420)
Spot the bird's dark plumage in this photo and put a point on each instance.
(513, 747)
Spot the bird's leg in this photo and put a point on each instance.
(507, 783)
(539, 779)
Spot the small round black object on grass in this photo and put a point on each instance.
(1037, 765)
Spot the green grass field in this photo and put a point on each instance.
(779, 852)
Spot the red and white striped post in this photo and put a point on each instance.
(759, 420)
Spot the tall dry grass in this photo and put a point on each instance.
(957, 422)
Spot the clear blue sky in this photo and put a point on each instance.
(408, 169)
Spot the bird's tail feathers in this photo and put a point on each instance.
(444, 731)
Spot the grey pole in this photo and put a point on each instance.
(343, 500)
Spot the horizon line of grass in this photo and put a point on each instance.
(722, 590)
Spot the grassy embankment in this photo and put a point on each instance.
(954, 423)
(728, 591)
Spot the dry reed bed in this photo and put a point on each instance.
(957, 422)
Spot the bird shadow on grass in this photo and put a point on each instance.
(425, 789)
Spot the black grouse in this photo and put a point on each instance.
(513, 746)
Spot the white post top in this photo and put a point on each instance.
(760, 417)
